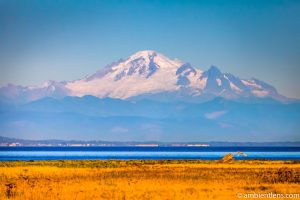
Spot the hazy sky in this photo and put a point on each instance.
(66, 40)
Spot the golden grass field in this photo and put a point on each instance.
(145, 179)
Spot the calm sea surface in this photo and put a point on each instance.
(154, 153)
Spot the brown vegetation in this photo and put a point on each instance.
(145, 179)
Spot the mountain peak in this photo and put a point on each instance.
(213, 72)
(154, 56)
(214, 69)
(143, 54)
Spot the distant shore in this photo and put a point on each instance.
(16, 142)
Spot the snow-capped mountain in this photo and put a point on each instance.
(148, 74)
(20, 94)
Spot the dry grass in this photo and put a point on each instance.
(145, 179)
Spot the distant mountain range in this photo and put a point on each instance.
(91, 118)
(149, 97)
(149, 75)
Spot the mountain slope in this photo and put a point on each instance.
(148, 74)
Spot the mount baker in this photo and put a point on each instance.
(149, 75)
(149, 97)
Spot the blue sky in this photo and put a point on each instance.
(66, 40)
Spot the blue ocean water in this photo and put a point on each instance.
(145, 153)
